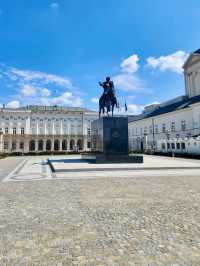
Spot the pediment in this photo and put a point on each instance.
(192, 59)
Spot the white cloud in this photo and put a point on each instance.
(67, 99)
(28, 90)
(95, 100)
(152, 103)
(128, 82)
(45, 78)
(13, 104)
(130, 64)
(35, 87)
(54, 5)
(172, 62)
(133, 109)
(45, 92)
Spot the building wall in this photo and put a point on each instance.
(40, 131)
(147, 133)
(192, 76)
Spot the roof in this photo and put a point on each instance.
(42, 108)
(197, 51)
(193, 54)
(179, 105)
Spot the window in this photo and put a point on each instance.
(6, 130)
(89, 145)
(22, 131)
(14, 131)
(150, 130)
(183, 146)
(163, 128)
(173, 126)
(173, 146)
(89, 132)
(168, 146)
(14, 145)
(163, 146)
(5, 145)
(183, 125)
(21, 145)
(178, 146)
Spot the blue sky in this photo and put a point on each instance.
(55, 52)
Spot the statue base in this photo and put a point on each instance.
(110, 141)
(108, 158)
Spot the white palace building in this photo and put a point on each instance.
(38, 129)
(172, 126)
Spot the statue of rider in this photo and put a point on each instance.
(109, 90)
(108, 99)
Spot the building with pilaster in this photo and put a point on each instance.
(42, 129)
(172, 126)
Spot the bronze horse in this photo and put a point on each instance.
(108, 99)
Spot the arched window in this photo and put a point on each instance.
(56, 145)
(80, 144)
(40, 145)
(48, 145)
(64, 145)
(72, 143)
(32, 145)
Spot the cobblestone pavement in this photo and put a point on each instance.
(114, 221)
(8, 164)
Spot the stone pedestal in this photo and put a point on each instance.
(110, 141)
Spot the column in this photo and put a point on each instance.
(45, 129)
(10, 145)
(60, 147)
(17, 145)
(1, 142)
(85, 143)
(37, 129)
(36, 145)
(61, 127)
(44, 144)
(52, 144)
(26, 145)
(68, 144)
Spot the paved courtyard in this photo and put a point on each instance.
(123, 217)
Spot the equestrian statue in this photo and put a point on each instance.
(108, 100)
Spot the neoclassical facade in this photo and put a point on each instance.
(38, 129)
(172, 126)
